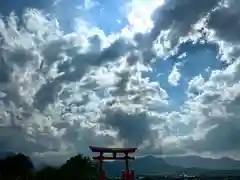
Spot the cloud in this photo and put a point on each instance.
(53, 90)
(209, 112)
(217, 103)
(174, 76)
(6, 7)
(63, 91)
(134, 129)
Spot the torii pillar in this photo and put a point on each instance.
(125, 175)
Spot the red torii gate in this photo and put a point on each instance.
(125, 175)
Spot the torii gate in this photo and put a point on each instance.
(125, 175)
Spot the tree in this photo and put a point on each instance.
(20, 167)
(78, 167)
(16, 166)
(47, 173)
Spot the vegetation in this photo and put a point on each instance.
(20, 167)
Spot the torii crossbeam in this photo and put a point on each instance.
(125, 175)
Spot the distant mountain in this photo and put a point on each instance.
(206, 163)
(191, 165)
(145, 165)
(152, 165)
(188, 164)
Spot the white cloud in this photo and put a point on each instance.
(59, 86)
(174, 76)
(139, 14)
(63, 92)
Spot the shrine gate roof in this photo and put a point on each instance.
(114, 150)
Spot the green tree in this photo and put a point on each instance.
(78, 167)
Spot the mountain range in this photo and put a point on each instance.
(168, 165)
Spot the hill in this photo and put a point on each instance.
(189, 165)
(145, 165)
(205, 163)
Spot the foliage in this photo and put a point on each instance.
(20, 167)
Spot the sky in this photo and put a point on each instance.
(160, 75)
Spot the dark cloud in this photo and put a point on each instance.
(76, 67)
(42, 99)
(220, 139)
(134, 129)
(21, 141)
(5, 71)
(178, 17)
(224, 22)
